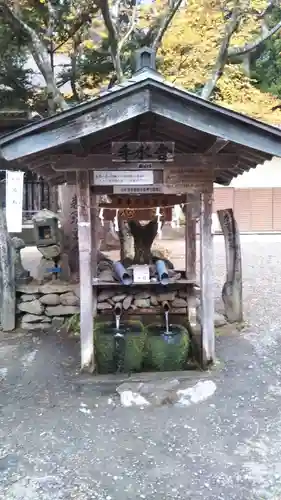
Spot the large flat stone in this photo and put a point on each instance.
(105, 294)
(51, 299)
(61, 310)
(162, 297)
(69, 299)
(25, 297)
(179, 302)
(119, 298)
(127, 302)
(103, 305)
(142, 295)
(33, 307)
(142, 303)
(58, 287)
(28, 288)
(33, 318)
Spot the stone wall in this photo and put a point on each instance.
(42, 306)
(137, 300)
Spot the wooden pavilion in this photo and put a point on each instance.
(209, 144)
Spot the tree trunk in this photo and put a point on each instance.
(126, 242)
(109, 238)
(143, 239)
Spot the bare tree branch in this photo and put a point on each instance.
(164, 22)
(74, 58)
(39, 52)
(234, 52)
(221, 61)
(130, 29)
(84, 18)
(113, 38)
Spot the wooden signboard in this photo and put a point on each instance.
(178, 176)
(123, 177)
(137, 151)
(190, 187)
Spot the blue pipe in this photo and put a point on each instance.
(122, 273)
(162, 272)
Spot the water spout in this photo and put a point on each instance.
(162, 272)
(166, 308)
(117, 312)
(122, 273)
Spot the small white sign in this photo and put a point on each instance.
(14, 199)
(141, 274)
(155, 189)
(121, 177)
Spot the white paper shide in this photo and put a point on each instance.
(14, 199)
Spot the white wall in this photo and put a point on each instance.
(266, 175)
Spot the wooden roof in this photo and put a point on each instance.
(145, 107)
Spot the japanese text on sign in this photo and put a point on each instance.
(14, 198)
(137, 190)
(119, 178)
(142, 151)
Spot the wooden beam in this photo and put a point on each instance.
(207, 279)
(67, 162)
(218, 145)
(59, 130)
(232, 288)
(190, 241)
(85, 265)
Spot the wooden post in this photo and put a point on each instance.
(190, 242)
(95, 247)
(7, 278)
(53, 193)
(232, 288)
(207, 278)
(85, 265)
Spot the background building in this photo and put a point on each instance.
(255, 198)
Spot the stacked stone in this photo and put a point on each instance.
(40, 306)
(138, 299)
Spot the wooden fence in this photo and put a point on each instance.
(36, 195)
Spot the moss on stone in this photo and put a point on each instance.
(166, 352)
(124, 353)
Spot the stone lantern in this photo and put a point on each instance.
(48, 241)
(46, 229)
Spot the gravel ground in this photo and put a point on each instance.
(63, 438)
